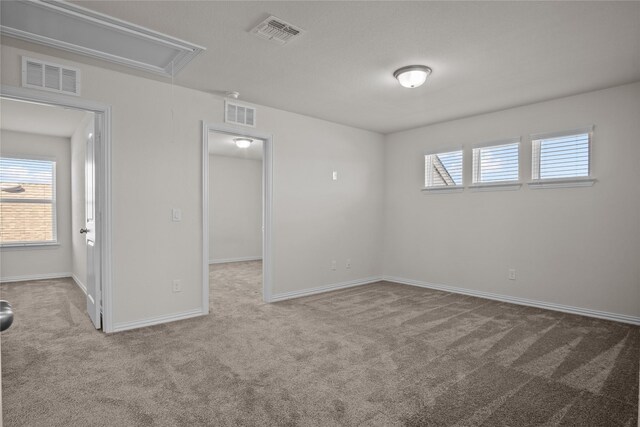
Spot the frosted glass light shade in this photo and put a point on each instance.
(243, 142)
(412, 76)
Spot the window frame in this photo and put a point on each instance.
(476, 170)
(445, 188)
(53, 202)
(575, 181)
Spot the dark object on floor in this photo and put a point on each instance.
(6, 315)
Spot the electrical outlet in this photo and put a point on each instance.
(334, 264)
(177, 285)
(512, 274)
(348, 263)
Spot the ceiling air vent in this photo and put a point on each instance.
(239, 114)
(277, 30)
(49, 76)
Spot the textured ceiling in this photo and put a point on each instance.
(485, 56)
(39, 119)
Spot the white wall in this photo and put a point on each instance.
(317, 220)
(156, 165)
(43, 261)
(235, 209)
(78, 241)
(577, 246)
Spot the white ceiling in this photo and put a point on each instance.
(485, 56)
(222, 144)
(39, 119)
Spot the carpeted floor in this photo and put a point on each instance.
(375, 355)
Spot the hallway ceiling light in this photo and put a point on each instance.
(412, 75)
(242, 142)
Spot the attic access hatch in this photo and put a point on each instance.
(73, 28)
(276, 30)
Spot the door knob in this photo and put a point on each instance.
(84, 230)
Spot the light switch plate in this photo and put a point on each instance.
(176, 214)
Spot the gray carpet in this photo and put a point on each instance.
(375, 355)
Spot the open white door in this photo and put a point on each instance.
(91, 230)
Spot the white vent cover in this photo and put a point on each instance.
(277, 30)
(49, 76)
(239, 114)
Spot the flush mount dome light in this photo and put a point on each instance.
(412, 75)
(242, 142)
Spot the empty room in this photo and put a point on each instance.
(351, 213)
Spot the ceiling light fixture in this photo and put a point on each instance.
(412, 75)
(242, 142)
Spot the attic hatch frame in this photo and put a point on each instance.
(21, 19)
(103, 179)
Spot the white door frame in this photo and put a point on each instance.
(103, 178)
(267, 205)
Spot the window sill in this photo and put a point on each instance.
(496, 186)
(28, 246)
(562, 183)
(443, 189)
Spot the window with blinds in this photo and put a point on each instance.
(496, 163)
(27, 201)
(561, 156)
(443, 169)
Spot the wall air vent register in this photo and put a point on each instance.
(239, 114)
(49, 76)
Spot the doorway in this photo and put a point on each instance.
(239, 231)
(96, 142)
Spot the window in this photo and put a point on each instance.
(27, 201)
(496, 163)
(561, 155)
(443, 170)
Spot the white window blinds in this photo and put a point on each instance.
(443, 169)
(496, 163)
(27, 201)
(561, 156)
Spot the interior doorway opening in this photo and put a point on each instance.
(236, 209)
(74, 226)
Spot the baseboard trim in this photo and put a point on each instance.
(321, 289)
(126, 326)
(79, 283)
(226, 260)
(634, 320)
(34, 277)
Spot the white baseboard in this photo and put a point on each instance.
(320, 289)
(125, 326)
(79, 283)
(226, 260)
(34, 277)
(624, 318)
